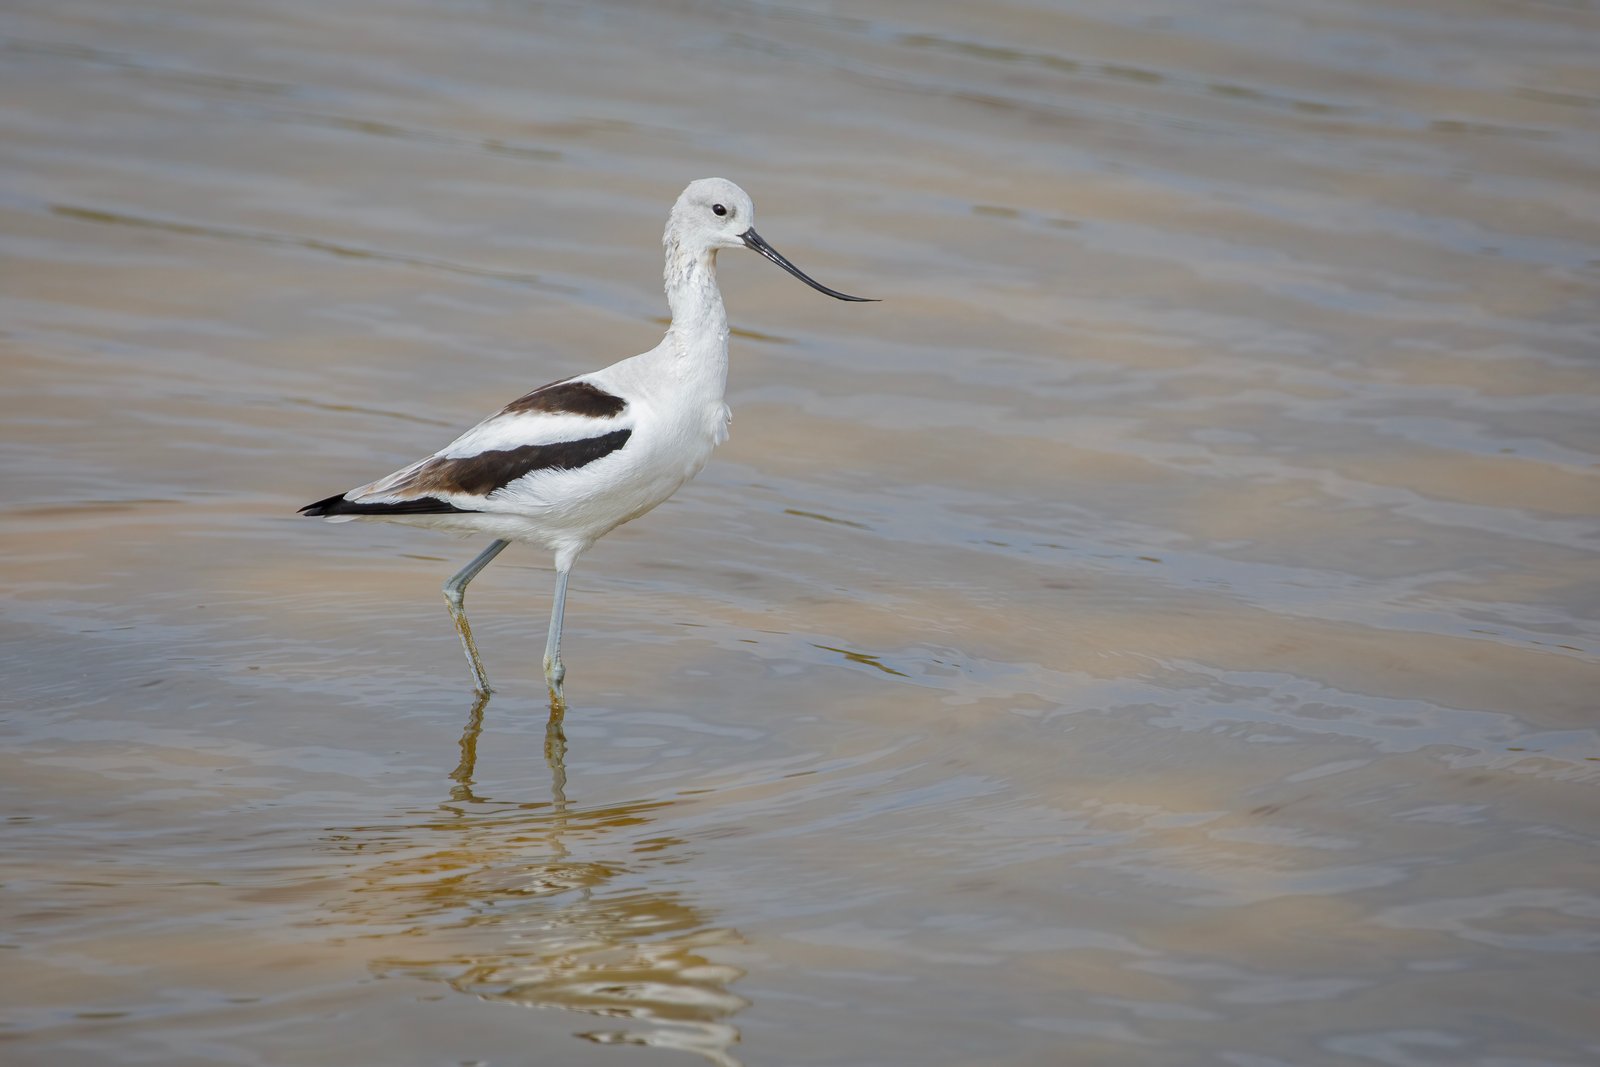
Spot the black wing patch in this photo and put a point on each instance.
(477, 475)
(568, 398)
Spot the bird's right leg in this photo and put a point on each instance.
(455, 595)
(554, 670)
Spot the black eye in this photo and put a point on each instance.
(718, 209)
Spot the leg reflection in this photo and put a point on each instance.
(462, 775)
(555, 754)
(538, 901)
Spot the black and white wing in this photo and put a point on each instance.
(563, 426)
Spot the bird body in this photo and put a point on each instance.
(570, 461)
(563, 465)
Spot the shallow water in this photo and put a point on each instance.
(1162, 632)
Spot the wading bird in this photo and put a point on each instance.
(575, 459)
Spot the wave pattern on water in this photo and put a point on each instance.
(1163, 630)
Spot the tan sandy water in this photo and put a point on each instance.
(1162, 632)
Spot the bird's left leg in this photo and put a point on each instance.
(554, 671)
(455, 596)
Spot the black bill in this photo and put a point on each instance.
(755, 242)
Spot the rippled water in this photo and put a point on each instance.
(1162, 632)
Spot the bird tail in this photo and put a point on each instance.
(339, 507)
(328, 507)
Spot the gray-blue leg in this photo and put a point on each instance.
(554, 672)
(455, 595)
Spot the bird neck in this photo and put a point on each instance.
(699, 321)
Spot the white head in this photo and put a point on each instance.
(714, 213)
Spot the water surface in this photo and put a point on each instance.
(1163, 631)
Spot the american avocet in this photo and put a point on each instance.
(575, 459)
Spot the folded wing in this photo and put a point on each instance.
(562, 426)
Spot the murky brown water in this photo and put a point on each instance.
(1162, 632)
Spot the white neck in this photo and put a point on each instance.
(699, 330)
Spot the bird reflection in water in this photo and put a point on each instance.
(551, 905)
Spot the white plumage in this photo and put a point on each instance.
(571, 461)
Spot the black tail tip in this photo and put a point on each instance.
(330, 506)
